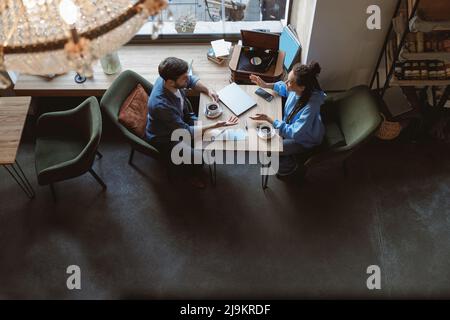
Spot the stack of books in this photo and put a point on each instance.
(219, 51)
(211, 56)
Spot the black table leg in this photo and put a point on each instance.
(19, 176)
(265, 177)
(212, 171)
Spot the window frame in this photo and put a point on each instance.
(199, 37)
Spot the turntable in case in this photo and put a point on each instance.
(257, 59)
(259, 55)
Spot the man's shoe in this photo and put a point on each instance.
(297, 175)
(286, 173)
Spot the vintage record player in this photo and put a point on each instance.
(259, 55)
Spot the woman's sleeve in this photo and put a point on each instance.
(293, 130)
(280, 88)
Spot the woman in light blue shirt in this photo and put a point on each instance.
(301, 126)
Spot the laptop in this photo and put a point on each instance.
(236, 99)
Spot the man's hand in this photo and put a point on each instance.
(213, 95)
(200, 87)
(262, 117)
(258, 81)
(231, 122)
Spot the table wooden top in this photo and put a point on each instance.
(13, 113)
(253, 142)
(143, 59)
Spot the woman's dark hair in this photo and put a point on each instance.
(305, 76)
(172, 68)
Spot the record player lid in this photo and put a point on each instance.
(260, 39)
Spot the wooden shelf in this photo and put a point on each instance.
(427, 56)
(418, 83)
(439, 28)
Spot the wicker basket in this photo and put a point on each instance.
(388, 130)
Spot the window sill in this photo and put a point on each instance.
(206, 31)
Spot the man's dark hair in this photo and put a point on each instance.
(172, 68)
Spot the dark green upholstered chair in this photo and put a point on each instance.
(350, 118)
(113, 99)
(67, 142)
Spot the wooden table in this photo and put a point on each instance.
(252, 143)
(143, 59)
(13, 113)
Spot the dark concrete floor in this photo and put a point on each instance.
(147, 238)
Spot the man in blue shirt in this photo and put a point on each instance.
(168, 109)
(301, 127)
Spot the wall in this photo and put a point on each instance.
(302, 19)
(339, 39)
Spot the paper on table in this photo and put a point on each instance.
(213, 134)
(225, 134)
(221, 47)
(235, 134)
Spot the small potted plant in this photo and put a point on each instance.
(185, 24)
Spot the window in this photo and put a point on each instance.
(196, 19)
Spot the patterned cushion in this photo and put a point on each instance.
(133, 112)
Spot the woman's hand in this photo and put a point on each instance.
(262, 117)
(231, 122)
(258, 81)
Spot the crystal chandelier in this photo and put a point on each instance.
(42, 37)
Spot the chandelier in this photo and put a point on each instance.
(42, 37)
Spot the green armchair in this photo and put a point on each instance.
(350, 119)
(113, 99)
(67, 142)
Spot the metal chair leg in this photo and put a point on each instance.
(99, 180)
(130, 159)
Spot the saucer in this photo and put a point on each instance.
(218, 114)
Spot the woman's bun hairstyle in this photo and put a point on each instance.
(305, 75)
(314, 68)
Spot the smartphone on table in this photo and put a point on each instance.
(264, 94)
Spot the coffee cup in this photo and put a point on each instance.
(265, 130)
(212, 109)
